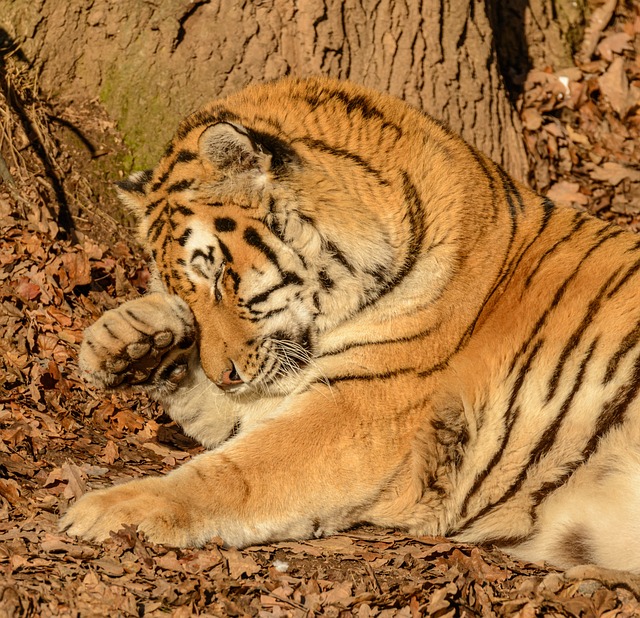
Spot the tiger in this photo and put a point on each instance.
(364, 320)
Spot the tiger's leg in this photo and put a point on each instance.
(144, 342)
(316, 468)
(150, 343)
(594, 518)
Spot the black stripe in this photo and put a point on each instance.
(152, 205)
(156, 185)
(109, 332)
(417, 228)
(510, 270)
(338, 255)
(628, 343)
(133, 315)
(166, 241)
(352, 102)
(181, 185)
(543, 446)
(260, 316)
(236, 279)
(138, 185)
(183, 210)
(627, 276)
(262, 297)
(226, 253)
(187, 285)
(184, 156)
(346, 155)
(156, 228)
(612, 415)
(479, 159)
(208, 256)
(511, 191)
(282, 154)
(182, 241)
(325, 280)
(291, 278)
(507, 268)
(288, 278)
(579, 220)
(253, 238)
(511, 415)
(572, 343)
(358, 344)
(367, 377)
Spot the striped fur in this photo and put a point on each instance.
(389, 329)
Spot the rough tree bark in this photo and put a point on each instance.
(153, 62)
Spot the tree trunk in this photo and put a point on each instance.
(153, 62)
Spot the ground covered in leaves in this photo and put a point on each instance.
(66, 256)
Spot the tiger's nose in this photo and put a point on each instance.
(229, 379)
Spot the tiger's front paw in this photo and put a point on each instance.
(146, 342)
(150, 504)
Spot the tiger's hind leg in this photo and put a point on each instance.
(593, 519)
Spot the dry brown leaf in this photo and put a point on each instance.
(577, 137)
(128, 421)
(78, 269)
(110, 452)
(340, 593)
(614, 43)
(565, 192)
(338, 544)
(10, 490)
(614, 173)
(240, 563)
(27, 289)
(158, 449)
(75, 477)
(438, 601)
(615, 87)
(531, 119)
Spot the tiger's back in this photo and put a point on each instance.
(403, 334)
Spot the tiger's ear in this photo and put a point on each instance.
(230, 148)
(133, 190)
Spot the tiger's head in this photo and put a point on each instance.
(209, 216)
(233, 231)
